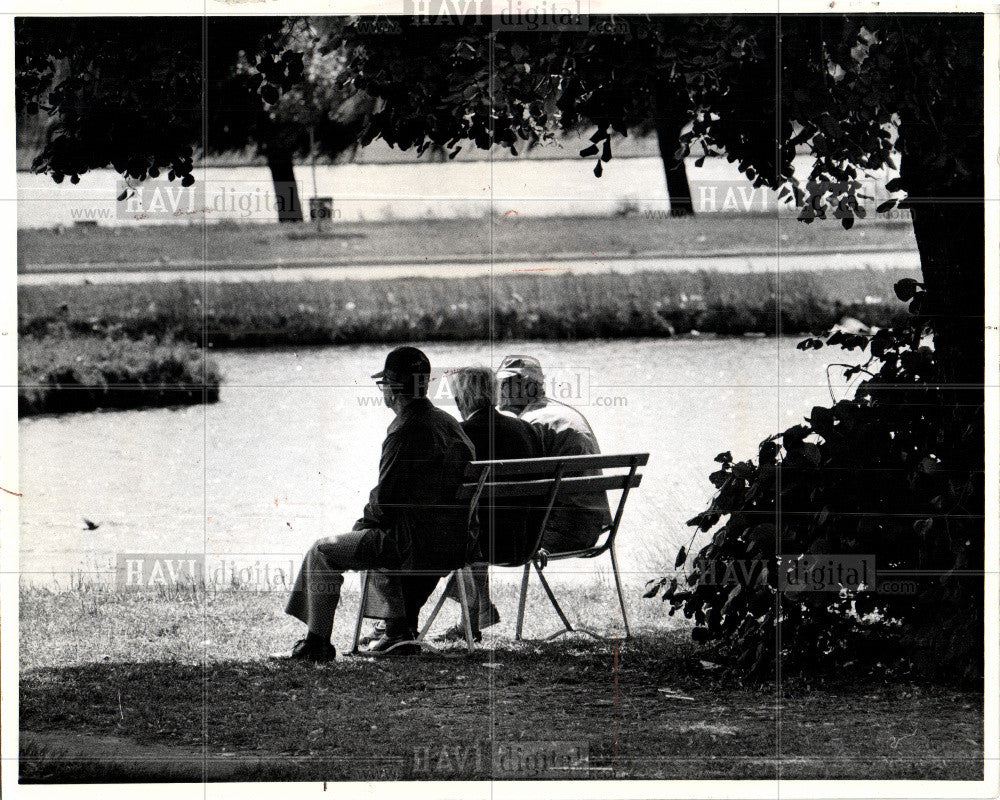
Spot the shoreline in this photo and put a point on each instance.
(131, 345)
(510, 258)
(498, 307)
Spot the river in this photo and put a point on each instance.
(291, 450)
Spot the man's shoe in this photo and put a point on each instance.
(378, 631)
(456, 633)
(394, 645)
(304, 651)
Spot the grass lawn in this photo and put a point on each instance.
(417, 240)
(178, 687)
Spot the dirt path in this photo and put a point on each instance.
(49, 754)
(577, 264)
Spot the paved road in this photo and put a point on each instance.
(597, 264)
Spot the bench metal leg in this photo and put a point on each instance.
(432, 617)
(459, 578)
(618, 586)
(466, 616)
(361, 611)
(524, 599)
(552, 599)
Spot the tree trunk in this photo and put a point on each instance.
(950, 237)
(286, 191)
(948, 209)
(668, 136)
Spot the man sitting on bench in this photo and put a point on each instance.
(504, 525)
(577, 521)
(412, 521)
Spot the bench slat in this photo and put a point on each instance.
(536, 488)
(541, 467)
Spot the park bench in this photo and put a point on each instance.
(538, 482)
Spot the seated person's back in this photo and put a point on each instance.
(507, 525)
(578, 519)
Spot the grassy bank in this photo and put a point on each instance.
(62, 372)
(508, 236)
(146, 687)
(258, 314)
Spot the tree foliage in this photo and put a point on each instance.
(280, 96)
(896, 473)
(852, 89)
(136, 108)
(213, 85)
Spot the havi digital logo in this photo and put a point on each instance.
(158, 570)
(159, 199)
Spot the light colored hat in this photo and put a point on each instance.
(527, 367)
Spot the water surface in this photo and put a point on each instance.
(291, 450)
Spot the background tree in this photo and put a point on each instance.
(302, 114)
(216, 86)
(669, 120)
(667, 124)
(245, 109)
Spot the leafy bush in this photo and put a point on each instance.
(63, 372)
(896, 473)
(263, 313)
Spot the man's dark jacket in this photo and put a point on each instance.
(423, 462)
(505, 524)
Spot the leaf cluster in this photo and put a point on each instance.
(896, 472)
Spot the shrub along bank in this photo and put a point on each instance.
(267, 313)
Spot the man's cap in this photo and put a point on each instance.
(403, 364)
(527, 367)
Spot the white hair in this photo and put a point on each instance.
(474, 387)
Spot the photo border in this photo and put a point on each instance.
(494, 790)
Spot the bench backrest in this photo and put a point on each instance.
(547, 467)
(548, 479)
